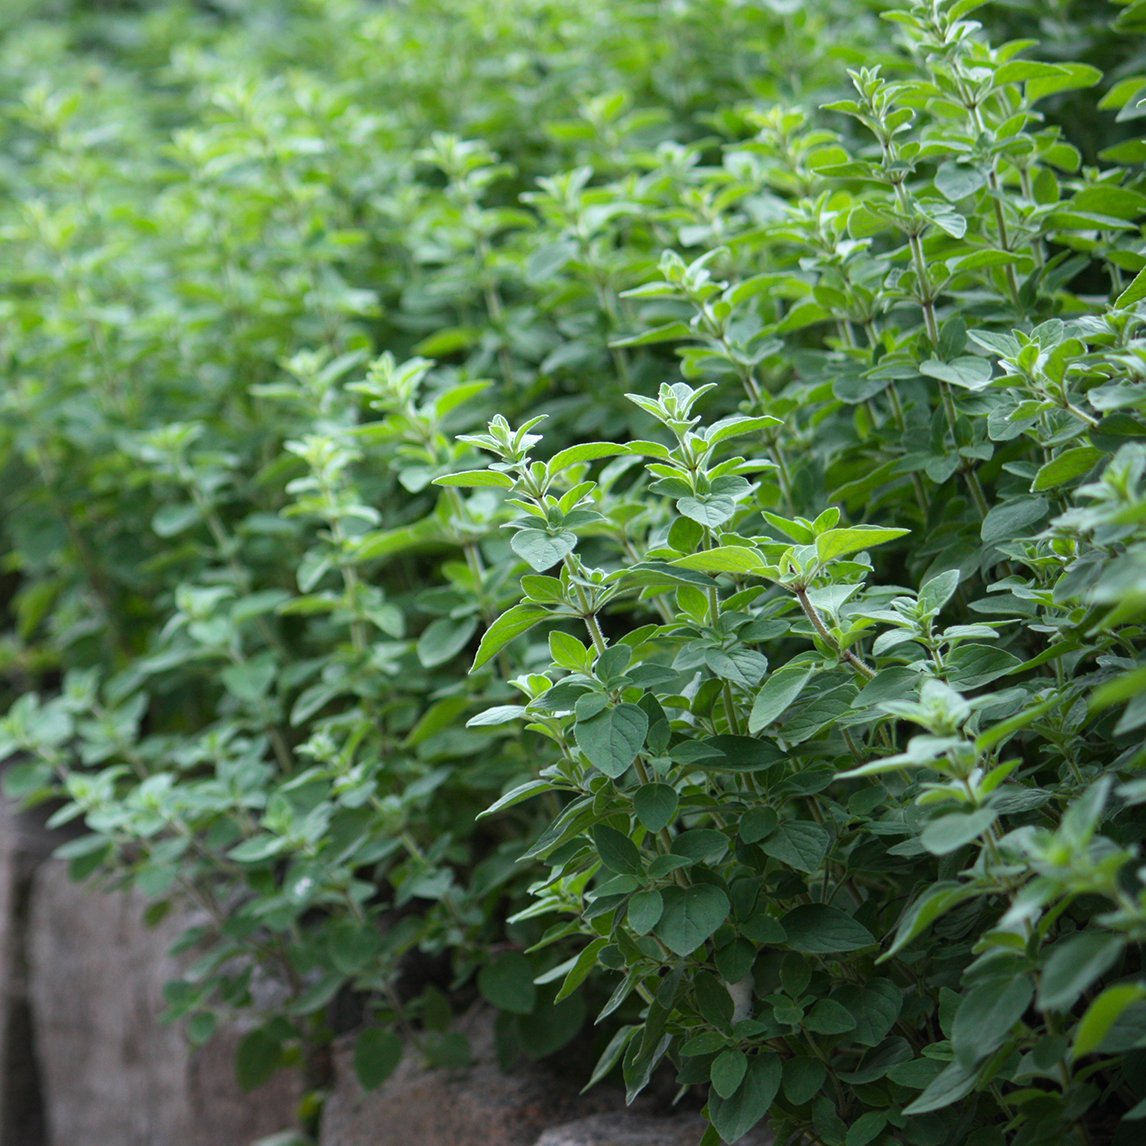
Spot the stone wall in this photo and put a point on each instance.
(84, 1058)
(24, 846)
(83, 1055)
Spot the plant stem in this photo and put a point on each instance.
(813, 615)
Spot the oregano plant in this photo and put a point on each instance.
(629, 513)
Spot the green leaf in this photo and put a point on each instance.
(952, 1083)
(875, 1006)
(611, 1055)
(515, 796)
(583, 964)
(955, 181)
(584, 452)
(1067, 467)
(690, 915)
(969, 372)
(258, 1056)
(477, 479)
(727, 1072)
(250, 680)
(803, 1078)
(353, 946)
(972, 666)
(817, 929)
(443, 639)
(542, 550)
(778, 693)
(936, 591)
(1134, 293)
(1075, 963)
(612, 739)
(618, 853)
(377, 1052)
(499, 714)
(757, 823)
(1072, 77)
(829, 1017)
(738, 425)
(506, 982)
(866, 1128)
(724, 559)
(949, 833)
(447, 1050)
(735, 1116)
(989, 738)
(835, 543)
(173, 519)
(938, 899)
(512, 623)
(987, 1015)
(549, 1027)
(645, 910)
(1101, 1016)
(1009, 520)
(712, 509)
(655, 805)
(801, 844)
(668, 332)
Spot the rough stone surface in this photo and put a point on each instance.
(625, 1129)
(481, 1106)
(110, 1072)
(24, 845)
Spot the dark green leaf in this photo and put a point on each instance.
(690, 915)
(800, 844)
(780, 690)
(829, 1017)
(655, 805)
(258, 1057)
(987, 1015)
(1074, 965)
(948, 833)
(612, 739)
(506, 982)
(734, 1117)
(618, 853)
(377, 1052)
(727, 1072)
(952, 1083)
(512, 623)
(1102, 1014)
(803, 1078)
(645, 910)
(1067, 467)
(817, 929)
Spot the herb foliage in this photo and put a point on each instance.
(643, 502)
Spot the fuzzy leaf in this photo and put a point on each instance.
(841, 542)
(1075, 963)
(817, 929)
(612, 739)
(735, 1116)
(777, 695)
(542, 550)
(690, 915)
(512, 623)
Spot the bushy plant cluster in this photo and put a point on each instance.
(635, 511)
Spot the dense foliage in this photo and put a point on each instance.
(635, 511)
